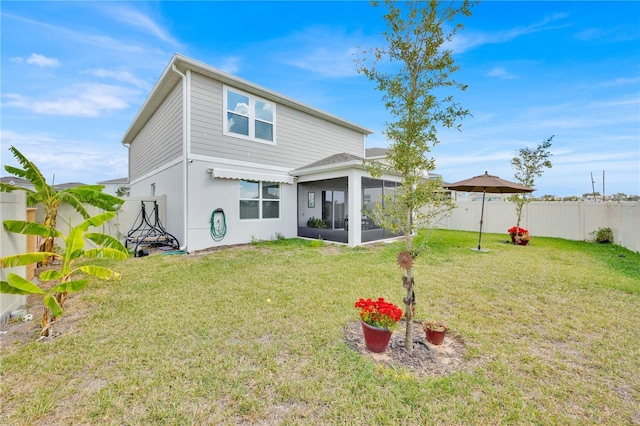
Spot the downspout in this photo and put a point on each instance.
(186, 143)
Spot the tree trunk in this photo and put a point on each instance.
(47, 244)
(409, 310)
(46, 323)
(410, 299)
(520, 207)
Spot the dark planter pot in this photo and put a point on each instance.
(375, 339)
(518, 242)
(435, 337)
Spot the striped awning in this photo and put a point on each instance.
(254, 175)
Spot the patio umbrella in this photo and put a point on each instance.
(487, 183)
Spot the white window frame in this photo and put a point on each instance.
(260, 200)
(251, 116)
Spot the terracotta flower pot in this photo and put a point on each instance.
(518, 241)
(435, 337)
(375, 339)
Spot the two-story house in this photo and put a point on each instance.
(239, 162)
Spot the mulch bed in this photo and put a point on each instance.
(425, 360)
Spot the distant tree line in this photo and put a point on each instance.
(589, 196)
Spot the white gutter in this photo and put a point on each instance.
(186, 143)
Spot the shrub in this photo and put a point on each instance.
(603, 235)
(314, 222)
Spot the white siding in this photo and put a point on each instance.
(207, 194)
(160, 141)
(168, 182)
(301, 138)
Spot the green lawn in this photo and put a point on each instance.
(552, 335)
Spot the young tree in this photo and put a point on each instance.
(414, 95)
(65, 279)
(529, 164)
(51, 198)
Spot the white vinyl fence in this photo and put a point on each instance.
(128, 215)
(561, 219)
(13, 206)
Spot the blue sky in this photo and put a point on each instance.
(74, 75)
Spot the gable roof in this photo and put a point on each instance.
(13, 180)
(170, 78)
(332, 160)
(114, 181)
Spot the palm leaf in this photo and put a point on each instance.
(30, 228)
(6, 187)
(70, 286)
(6, 288)
(50, 275)
(24, 259)
(89, 187)
(100, 272)
(106, 241)
(74, 246)
(23, 285)
(106, 253)
(30, 171)
(74, 201)
(95, 197)
(96, 220)
(53, 305)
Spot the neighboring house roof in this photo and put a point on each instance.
(170, 78)
(114, 181)
(68, 185)
(375, 152)
(12, 180)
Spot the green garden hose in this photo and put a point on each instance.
(219, 227)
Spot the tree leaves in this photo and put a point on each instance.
(30, 228)
(25, 259)
(15, 284)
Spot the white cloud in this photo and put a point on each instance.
(619, 82)
(67, 160)
(119, 75)
(469, 39)
(42, 61)
(612, 34)
(135, 18)
(102, 42)
(501, 73)
(321, 50)
(230, 64)
(80, 100)
(37, 59)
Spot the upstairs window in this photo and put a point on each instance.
(259, 200)
(249, 117)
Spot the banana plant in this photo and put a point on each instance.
(51, 198)
(65, 278)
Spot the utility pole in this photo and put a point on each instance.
(593, 188)
(603, 197)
